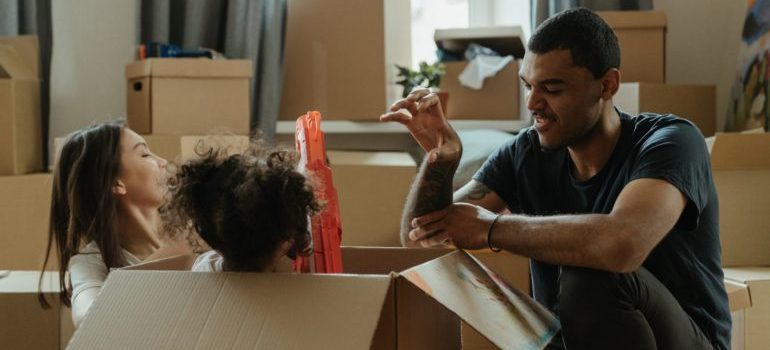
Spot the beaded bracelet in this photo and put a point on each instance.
(489, 235)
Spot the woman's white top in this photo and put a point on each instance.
(87, 269)
(210, 261)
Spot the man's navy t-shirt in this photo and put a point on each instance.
(687, 261)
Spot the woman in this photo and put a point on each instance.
(251, 208)
(107, 189)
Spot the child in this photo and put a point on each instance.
(251, 208)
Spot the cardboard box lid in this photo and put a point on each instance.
(189, 68)
(737, 295)
(227, 310)
(505, 40)
(634, 19)
(740, 151)
(26, 50)
(371, 158)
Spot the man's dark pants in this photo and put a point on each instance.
(604, 310)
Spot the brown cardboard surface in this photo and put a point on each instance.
(642, 39)
(20, 130)
(696, 103)
(497, 99)
(372, 189)
(340, 55)
(754, 321)
(232, 310)
(25, 203)
(188, 96)
(23, 323)
(741, 168)
(737, 295)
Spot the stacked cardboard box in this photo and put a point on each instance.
(741, 167)
(642, 39)
(499, 96)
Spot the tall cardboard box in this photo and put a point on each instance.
(371, 189)
(21, 147)
(752, 323)
(250, 310)
(642, 39)
(340, 57)
(188, 96)
(25, 205)
(499, 96)
(741, 168)
(696, 103)
(24, 324)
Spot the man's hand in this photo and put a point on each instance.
(421, 113)
(461, 224)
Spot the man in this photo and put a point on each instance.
(618, 214)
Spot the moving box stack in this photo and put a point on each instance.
(642, 39)
(25, 201)
(741, 167)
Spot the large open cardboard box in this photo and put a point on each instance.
(188, 96)
(415, 309)
(372, 189)
(750, 325)
(24, 324)
(340, 57)
(642, 39)
(25, 205)
(499, 96)
(696, 103)
(20, 124)
(741, 167)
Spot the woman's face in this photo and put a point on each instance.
(141, 181)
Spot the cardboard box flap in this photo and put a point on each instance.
(12, 65)
(747, 275)
(26, 49)
(733, 151)
(479, 297)
(634, 19)
(27, 282)
(189, 68)
(185, 310)
(505, 40)
(737, 295)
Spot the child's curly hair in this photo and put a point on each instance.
(244, 205)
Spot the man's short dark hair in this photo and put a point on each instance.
(587, 36)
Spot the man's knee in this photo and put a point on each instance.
(585, 291)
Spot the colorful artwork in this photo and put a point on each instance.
(749, 105)
(507, 317)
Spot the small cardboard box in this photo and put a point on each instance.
(499, 96)
(25, 205)
(642, 39)
(340, 57)
(741, 167)
(21, 149)
(234, 310)
(372, 189)
(750, 325)
(696, 103)
(188, 96)
(24, 324)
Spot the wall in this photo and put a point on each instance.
(702, 44)
(93, 41)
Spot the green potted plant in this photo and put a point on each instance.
(429, 76)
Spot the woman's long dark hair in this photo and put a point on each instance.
(83, 208)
